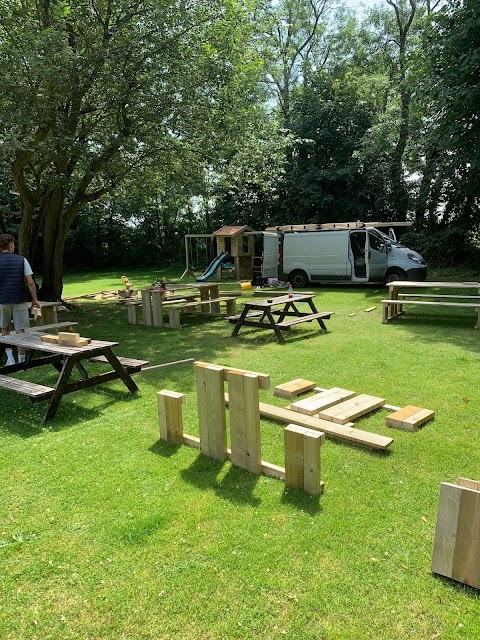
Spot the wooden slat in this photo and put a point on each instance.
(49, 327)
(30, 389)
(127, 362)
(350, 409)
(344, 432)
(470, 484)
(293, 388)
(314, 404)
(467, 305)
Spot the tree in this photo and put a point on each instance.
(99, 90)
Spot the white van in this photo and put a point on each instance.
(353, 252)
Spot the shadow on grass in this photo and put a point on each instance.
(25, 420)
(301, 501)
(459, 587)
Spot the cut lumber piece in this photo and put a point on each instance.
(263, 378)
(211, 410)
(302, 459)
(36, 392)
(350, 409)
(456, 547)
(323, 400)
(47, 337)
(344, 432)
(470, 484)
(370, 309)
(48, 327)
(170, 415)
(409, 417)
(293, 388)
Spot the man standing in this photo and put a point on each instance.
(14, 272)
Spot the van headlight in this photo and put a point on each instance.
(414, 258)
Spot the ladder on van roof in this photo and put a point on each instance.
(335, 225)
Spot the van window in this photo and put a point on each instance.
(376, 242)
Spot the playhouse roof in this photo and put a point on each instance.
(232, 231)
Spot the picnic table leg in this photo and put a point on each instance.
(120, 370)
(273, 326)
(239, 322)
(59, 389)
(313, 309)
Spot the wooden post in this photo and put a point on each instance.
(147, 308)
(302, 459)
(174, 318)
(211, 411)
(231, 307)
(132, 313)
(245, 421)
(170, 415)
(157, 311)
(456, 547)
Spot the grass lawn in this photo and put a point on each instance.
(108, 533)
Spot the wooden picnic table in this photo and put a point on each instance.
(393, 306)
(154, 300)
(64, 358)
(262, 314)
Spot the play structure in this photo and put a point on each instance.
(234, 253)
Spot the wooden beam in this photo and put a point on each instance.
(263, 378)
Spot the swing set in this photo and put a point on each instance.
(196, 245)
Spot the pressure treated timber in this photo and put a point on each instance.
(342, 432)
(170, 415)
(456, 546)
(48, 327)
(409, 418)
(211, 410)
(293, 388)
(302, 458)
(320, 401)
(470, 484)
(263, 378)
(351, 409)
(244, 421)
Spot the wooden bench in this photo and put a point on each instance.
(388, 315)
(286, 324)
(174, 311)
(436, 295)
(35, 392)
(133, 304)
(57, 325)
(130, 364)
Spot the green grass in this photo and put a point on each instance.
(108, 533)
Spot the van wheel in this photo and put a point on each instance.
(298, 279)
(395, 274)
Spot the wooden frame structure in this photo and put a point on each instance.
(302, 445)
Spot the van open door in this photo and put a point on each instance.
(270, 255)
(358, 256)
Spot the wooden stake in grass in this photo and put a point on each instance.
(211, 410)
(302, 459)
(245, 421)
(170, 415)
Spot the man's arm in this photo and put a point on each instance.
(33, 291)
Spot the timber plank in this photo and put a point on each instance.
(350, 409)
(409, 418)
(314, 404)
(293, 388)
(263, 378)
(342, 432)
(30, 389)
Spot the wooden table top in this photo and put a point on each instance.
(425, 284)
(278, 300)
(34, 341)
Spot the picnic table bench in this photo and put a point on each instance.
(393, 306)
(210, 307)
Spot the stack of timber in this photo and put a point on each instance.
(66, 338)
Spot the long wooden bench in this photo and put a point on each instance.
(174, 311)
(48, 327)
(286, 324)
(35, 392)
(130, 364)
(436, 295)
(388, 315)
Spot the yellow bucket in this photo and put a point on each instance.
(245, 286)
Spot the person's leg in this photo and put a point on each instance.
(5, 319)
(21, 320)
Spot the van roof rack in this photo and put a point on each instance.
(335, 225)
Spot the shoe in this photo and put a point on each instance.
(10, 361)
